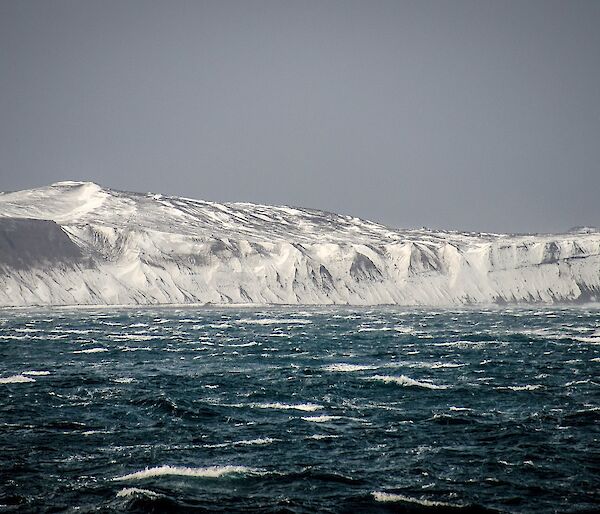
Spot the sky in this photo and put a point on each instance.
(466, 115)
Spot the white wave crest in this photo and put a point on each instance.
(307, 407)
(35, 373)
(343, 367)
(130, 337)
(252, 442)
(244, 442)
(320, 419)
(405, 381)
(208, 472)
(389, 498)
(275, 321)
(592, 340)
(527, 387)
(16, 379)
(91, 350)
(136, 491)
(435, 365)
(123, 380)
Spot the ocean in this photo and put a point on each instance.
(300, 409)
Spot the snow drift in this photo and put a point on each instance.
(78, 243)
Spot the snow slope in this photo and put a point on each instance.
(78, 243)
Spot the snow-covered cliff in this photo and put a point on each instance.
(77, 243)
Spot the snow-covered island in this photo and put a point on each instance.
(76, 243)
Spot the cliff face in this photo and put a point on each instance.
(76, 243)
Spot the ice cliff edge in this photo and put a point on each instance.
(78, 243)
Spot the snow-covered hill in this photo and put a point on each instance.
(78, 243)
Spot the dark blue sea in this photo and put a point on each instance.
(206, 409)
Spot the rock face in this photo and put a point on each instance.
(77, 243)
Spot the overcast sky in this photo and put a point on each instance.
(469, 115)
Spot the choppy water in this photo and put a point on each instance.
(300, 410)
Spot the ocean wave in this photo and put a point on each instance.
(208, 472)
(16, 379)
(244, 442)
(242, 345)
(343, 367)
(320, 419)
(527, 387)
(405, 381)
(91, 350)
(307, 407)
(591, 340)
(275, 321)
(35, 373)
(130, 337)
(383, 497)
(424, 365)
(136, 491)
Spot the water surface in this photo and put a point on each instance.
(280, 409)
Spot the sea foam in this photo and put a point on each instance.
(389, 498)
(136, 491)
(405, 381)
(208, 472)
(16, 379)
(348, 368)
(320, 419)
(308, 407)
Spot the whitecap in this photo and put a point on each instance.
(577, 382)
(308, 407)
(244, 442)
(527, 387)
(35, 373)
(208, 472)
(131, 337)
(136, 491)
(425, 365)
(91, 350)
(343, 367)
(591, 340)
(321, 419)
(275, 321)
(16, 379)
(391, 498)
(405, 381)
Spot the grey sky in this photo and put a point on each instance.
(453, 114)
